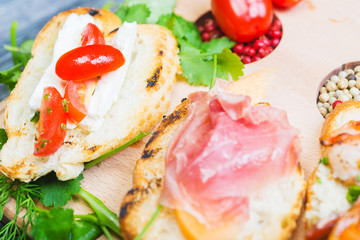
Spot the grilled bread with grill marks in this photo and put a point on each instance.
(273, 213)
(143, 99)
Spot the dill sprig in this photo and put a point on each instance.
(25, 195)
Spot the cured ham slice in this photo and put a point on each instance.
(225, 151)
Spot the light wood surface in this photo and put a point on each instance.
(318, 37)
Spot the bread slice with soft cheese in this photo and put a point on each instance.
(273, 212)
(326, 194)
(143, 99)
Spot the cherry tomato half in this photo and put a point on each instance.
(52, 123)
(88, 62)
(243, 20)
(77, 95)
(92, 35)
(285, 3)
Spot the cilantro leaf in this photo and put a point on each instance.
(3, 137)
(217, 45)
(202, 62)
(353, 193)
(181, 28)
(55, 192)
(228, 62)
(196, 66)
(55, 224)
(156, 7)
(136, 13)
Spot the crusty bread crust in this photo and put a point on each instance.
(326, 195)
(283, 201)
(144, 98)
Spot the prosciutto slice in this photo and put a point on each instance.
(226, 151)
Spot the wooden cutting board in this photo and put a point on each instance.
(317, 37)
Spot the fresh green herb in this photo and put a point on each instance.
(54, 224)
(83, 229)
(63, 126)
(229, 62)
(20, 55)
(48, 110)
(182, 29)
(324, 160)
(25, 195)
(106, 217)
(13, 28)
(319, 180)
(3, 137)
(138, 237)
(46, 96)
(157, 7)
(353, 193)
(202, 62)
(36, 117)
(217, 45)
(57, 193)
(112, 152)
(65, 105)
(60, 223)
(137, 13)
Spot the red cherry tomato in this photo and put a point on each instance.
(243, 20)
(52, 123)
(88, 62)
(285, 3)
(77, 95)
(92, 35)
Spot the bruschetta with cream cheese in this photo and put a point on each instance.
(338, 171)
(221, 168)
(112, 80)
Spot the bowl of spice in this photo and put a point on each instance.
(341, 85)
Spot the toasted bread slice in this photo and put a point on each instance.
(273, 212)
(326, 193)
(144, 98)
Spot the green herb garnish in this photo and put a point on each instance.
(157, 8)
(201, 62)
(36, 117)
(319, 180)
(3, 137)
(57, 193)
(324, 160)
(138, 237)
(353, 193)
(65, 105)
(25, 195)
(20, 56)
(137, 13)
(112, 152)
